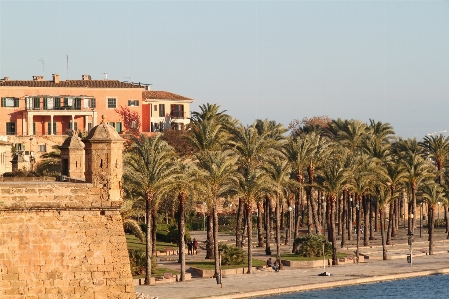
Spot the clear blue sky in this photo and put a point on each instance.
(281, 60)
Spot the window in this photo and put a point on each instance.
(93, 103)
(49, 128)
(57, 103)
(133, 102)
(133, 124)
(112, 124)
(42, 147)
(49, 103)
(118, 127)
(177, 111)
(161, 110)
(36, 103)
(10, 102)
(77, 103)
(34, 128)
(155, 107)
(112, 103)
(10, 128)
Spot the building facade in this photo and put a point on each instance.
(36, 114)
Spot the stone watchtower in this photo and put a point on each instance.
(103, 153)
(72, 157)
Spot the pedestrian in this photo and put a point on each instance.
(195, 246)
(190, 247)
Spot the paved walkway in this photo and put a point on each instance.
(267, 282)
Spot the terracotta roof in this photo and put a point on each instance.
(72, 83)
(163, 95)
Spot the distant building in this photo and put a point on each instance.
(35, 114)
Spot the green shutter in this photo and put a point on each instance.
(16, 102)
(94, 103)
(34, 128)
(45, 103)
(3, 102)
(118, 127)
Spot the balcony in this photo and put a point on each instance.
(177, 114)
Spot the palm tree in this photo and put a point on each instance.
(253, 183)
(208, 131)
(217, 173)
(150, 169)
(436, 149)
(383, 196)
(127, 213)
(418, 171)
(433, 194)
(278, 169)
(334, 179)
(185, 184)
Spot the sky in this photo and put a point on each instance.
(276, 60)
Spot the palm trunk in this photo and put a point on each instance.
(344, 219)
(250, 237)
(296, 221)
(210, 237)
(413, 222)
(350, 217)
(154, 230)
(238, 228)
(259, 224)
(149, 239)
(278, 231)
(313, 204)
(358, 219)
(366, 220)
(309, 214)
(390, 224)
(268, 225)
(215, 236)
(430, 224)
(333, 228)
(181, 230)
(382, 232)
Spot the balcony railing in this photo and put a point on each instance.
(177, 114)
(59, 108)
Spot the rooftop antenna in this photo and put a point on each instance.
(43, 66)
(105, 76)
(67, 76)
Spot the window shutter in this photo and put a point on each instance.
(129, 102)
(137, 102)
(16, 102)
(118, 127)
(94, 103)
(45, 103)
(3, 102)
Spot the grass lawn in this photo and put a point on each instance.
(160, 272)
(209, 265)
(295, 257)
(134, 243)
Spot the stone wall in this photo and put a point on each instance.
(61, 240)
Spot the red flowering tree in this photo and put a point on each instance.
(131, 119)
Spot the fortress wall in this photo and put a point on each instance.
(61, 240)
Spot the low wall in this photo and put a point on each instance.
(61, 240)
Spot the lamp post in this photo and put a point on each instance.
(324, 215)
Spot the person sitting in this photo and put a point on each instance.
(273, 266)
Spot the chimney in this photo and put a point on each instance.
(56, 78)
(38, 78)
(87, 77)
(6, 79)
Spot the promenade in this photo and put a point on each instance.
(267, 282)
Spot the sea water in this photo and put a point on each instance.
(425, 287)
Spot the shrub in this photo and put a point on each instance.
(138, 262)
(231, 255)
(312, 246)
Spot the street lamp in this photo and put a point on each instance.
(324, 214)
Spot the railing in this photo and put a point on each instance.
(59, 108)
(177, 114)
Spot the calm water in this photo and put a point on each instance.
(426, 287)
